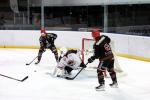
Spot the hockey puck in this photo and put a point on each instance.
(34, 70)
(27, 64)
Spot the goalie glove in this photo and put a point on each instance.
(91, 59)
(83, 65)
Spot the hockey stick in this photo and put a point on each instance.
(71, 78)
(31, 61)
(14, 78)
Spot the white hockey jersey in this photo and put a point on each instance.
(72, 60)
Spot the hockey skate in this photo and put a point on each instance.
(101, 87)
(114, 85)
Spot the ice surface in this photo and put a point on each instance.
(40, 85)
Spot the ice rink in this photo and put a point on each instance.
(40, 85)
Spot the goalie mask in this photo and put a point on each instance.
(70, 62)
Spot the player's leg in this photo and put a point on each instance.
(112, 73)
(100, 75)
(54, 50)
(59, 70)
(41, 50)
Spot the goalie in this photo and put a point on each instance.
(69, 60)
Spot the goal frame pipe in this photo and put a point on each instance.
(83, 40)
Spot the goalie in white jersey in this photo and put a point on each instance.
(69, 61)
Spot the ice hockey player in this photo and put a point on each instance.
(69, 61)
(103, 52)
(47, 42)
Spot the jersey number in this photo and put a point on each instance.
(107, 47)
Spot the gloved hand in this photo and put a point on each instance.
(83, 65)
(91, 59)
(48, 45)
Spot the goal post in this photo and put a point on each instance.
(85, 46)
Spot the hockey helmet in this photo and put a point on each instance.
(95, 33)
(43, 30)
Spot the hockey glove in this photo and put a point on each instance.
(83, 65)
(91, 59)
(48, 45)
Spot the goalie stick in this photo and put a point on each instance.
(20, 80)
(71, 78)
(31, 61)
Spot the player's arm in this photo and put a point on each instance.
(42, 48)
(52, 36)
(106, 39)
(71, 51)
(42, 42)
(96, 48)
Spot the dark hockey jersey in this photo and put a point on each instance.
(102, 48)
(46, 41)
(51, 37)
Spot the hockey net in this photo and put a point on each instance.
(87, 52)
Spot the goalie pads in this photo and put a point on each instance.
(58, 72)
(72, 61)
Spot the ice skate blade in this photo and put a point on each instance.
(114, 86)
(100, 89)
